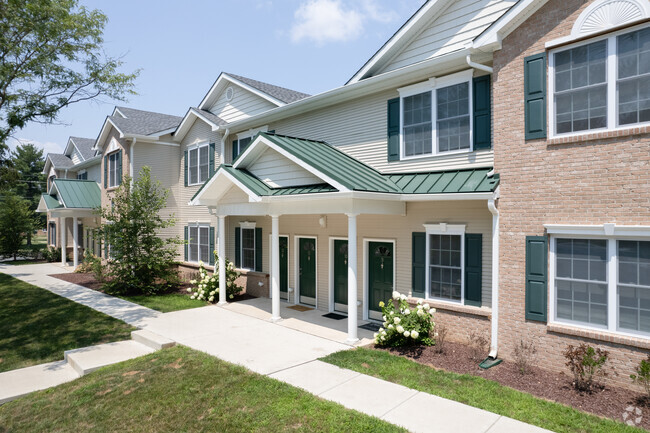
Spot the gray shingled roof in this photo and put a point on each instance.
(60, 161)
(142, 122)
(85, 146)
(211, 117)
(283, 94)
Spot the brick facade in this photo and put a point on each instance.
(601, 178)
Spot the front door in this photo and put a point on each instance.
(341, 275)
(284, 266)
(307, 270)
(380, 276)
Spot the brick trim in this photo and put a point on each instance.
(609, 337)
(458, 308)
(629, 132)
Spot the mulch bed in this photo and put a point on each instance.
(606, 401)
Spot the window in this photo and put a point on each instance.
(199, 164)
(239, 146)
(52, 240)
(113, 170)
(248, 248)
(199, 243)
(437, 120)
(634, 286)
(601, 85)
(445, 262)
(82, 176)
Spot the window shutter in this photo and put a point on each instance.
(536, 277)
(535, 96)
(211, 170)
(482, 113)
(237, 247)
(258, 249)
(106, 172)
(186, 240)
(393, 129)
(186, 168)
(473, 268)
(235, 153)
(419, 266)
(211, 244)
(119, 167)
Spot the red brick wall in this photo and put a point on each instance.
(595, 181)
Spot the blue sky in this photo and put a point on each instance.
(181, 47)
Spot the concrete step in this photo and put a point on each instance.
(150, 339)
(89, 359)
(17, 383)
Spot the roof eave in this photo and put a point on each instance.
(186, 124)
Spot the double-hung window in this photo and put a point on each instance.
(436, 116)
(248, 248)
(239, 146)
(602, 84)
(445, 261)
(198, 164)
(199, 243)
(113, 170)
(52, 234)
(83, 175)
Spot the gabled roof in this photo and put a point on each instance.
(59, 161)
(281, 93)
(194, 113)
(141, 122)
(84, 146)
(48, 203)
(75, 193)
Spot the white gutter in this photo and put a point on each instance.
(131, 159)
(474, 65)
(495, 274)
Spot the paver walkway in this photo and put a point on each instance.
(290, 355)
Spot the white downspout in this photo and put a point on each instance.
(131, 160)
(223, 145)
(495, 274)
(477, 65)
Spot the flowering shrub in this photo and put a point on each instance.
(405, 325)
(207, 287)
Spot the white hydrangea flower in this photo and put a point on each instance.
(400, 329)
(392, 313)
(390, 326)
(189, 289)
(427, 306)
(397, 320)
(385, 323)
(231, 296)
(407, 334)
(384, 318)
(375, 335)
(211, 298)
(403, 297)
(415, 334)
(419, 301)
(192, 282)
(433, 310)
(407, 312)
(395, 295)
(381, 329)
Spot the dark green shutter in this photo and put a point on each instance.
(119, 167)
(237, 247)
(536, 277)
(419, 265)
(482, 113)
(235, 153)
(186, 168)
(473, 268)
(187, 238)
(106, 172)
(258, 249)
(211, 261)
(211, 160)
(393, 129)
(535, 96)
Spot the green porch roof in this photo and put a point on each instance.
(442, 182)
(260, 188)
(79, 194)
(51, 202)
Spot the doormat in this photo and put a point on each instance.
(371, 326)
(300, 308)
(334, 316)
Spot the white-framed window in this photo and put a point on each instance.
(436, 116)
(198, 165)
(198, 239)
(445, 260)
(113, 170)
(52, 240)
(601, 282)
(239, 146)
(247, 243)
(82, 175)
(601, 84)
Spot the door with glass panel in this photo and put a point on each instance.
(340, 259)
(307, 270)
(380, 276)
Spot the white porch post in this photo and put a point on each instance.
(75, 235)
(63, 235)
(275, 268)
(222, 259)
(352, 278)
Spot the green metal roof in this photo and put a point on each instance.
(81, 194)
(51, 202)
(441, 182)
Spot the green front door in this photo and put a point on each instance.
(307, 270)
(284, 266)
(341, 275)
(380, 276)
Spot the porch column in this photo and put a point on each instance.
(63, 239)
(352, 278)
(221, 251)
(275, 268)
(75, 235)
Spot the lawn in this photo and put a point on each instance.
(36, 326)
(180, 389)
(167, 302)
(474, 391)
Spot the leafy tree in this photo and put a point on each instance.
(51, 56)
(29, 162)
(15, 223)
(140, 260)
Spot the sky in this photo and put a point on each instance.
(181, 47)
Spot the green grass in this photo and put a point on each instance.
(474, 391)
(36, 326)
(20, 262)
(180, 389)
(166, 303)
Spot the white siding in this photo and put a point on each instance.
(277, 171)
(94, 172)
(459, 24)
(243, 104)
(76, 157)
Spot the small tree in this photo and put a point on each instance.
(140, 260)
(15, 222)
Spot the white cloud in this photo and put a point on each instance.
(47, 146)
(376, 13)
(325, 21)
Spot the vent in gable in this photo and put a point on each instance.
(230, 93)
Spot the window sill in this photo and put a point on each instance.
(457, 308)
(602, 135)
(610, 337)
(250, 272)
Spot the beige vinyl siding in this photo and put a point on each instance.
(243, 104)
(125, 147)
(76, 157)
(278, 171)
(459, 24)
(94, 172)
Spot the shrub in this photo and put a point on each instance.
(93, 264)
(52, 254)
(524, 355)
(405, 326)
(441, 337)
(642, 376)
(207, 286)
(478, 344)
(585, 363)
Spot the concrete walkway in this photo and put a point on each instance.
(290, 355)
